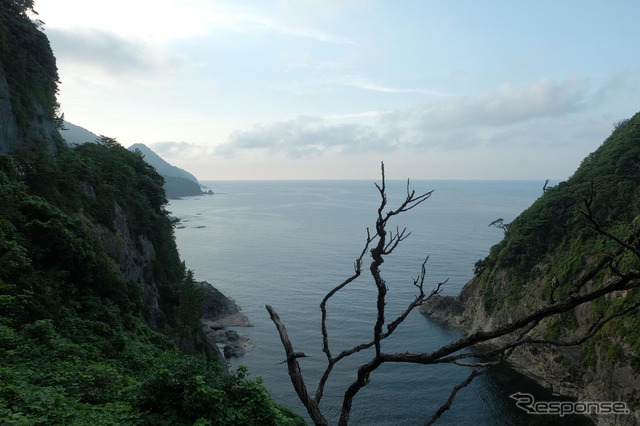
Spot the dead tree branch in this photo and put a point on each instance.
(295, 372)
(452, 396)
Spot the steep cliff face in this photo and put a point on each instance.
(546, 250)
(9, 138)
(28, 83)
(133, 255)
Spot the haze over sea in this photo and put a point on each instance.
(287, 243)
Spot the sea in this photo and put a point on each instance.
(288, 243)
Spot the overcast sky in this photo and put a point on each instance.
(300, 89)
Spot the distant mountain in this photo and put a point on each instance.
(76, 135)
(178, 182)
(164, 168)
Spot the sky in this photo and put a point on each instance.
(327, 89)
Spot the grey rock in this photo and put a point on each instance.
(233, 351)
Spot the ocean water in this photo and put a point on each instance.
(287, 243)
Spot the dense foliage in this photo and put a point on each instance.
(549, 245)
(74, 344)
(177, 187)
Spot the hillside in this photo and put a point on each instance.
(177, 182)
(76, 135)
(545, 251)
(99, 317)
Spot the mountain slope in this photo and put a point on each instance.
(76, 135)
(178, 182)
(164, 168)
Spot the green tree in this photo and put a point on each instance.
(190, 307)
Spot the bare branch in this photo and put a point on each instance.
(323, 304)
(628, 244)
(509, 347)
(454, 392)
(593, 329)
(295, 372)
(627, 282)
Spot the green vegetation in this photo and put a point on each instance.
(93, 295)
(74, 344)
(549, 245)
(177, 187)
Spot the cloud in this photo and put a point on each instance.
(364, 84)
(365, 114)
(306, 137)
(171, 148)
(108, 51)
(245, 20)
(541, 113)
(181, 151)
(311, 34)
(508, 104)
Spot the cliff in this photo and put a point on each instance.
(543, 254)
(28, 84)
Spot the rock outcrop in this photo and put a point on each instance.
(28, 87)
(9, 137)
(133, 255)
(218, 313)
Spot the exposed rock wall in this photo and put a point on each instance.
(559, 369)
(9, 138)
(132, 255)
(39, 130)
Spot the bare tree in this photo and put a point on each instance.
(499, 342)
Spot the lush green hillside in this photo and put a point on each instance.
(74, 344)
(550, 245)
(93, 294)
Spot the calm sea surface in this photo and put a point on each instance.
(287, 243)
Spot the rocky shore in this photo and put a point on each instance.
(556, 368)
(218, 314)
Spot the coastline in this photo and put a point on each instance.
(544, 364)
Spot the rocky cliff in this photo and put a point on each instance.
(9, 138)
(28, 84)
(544, 253)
